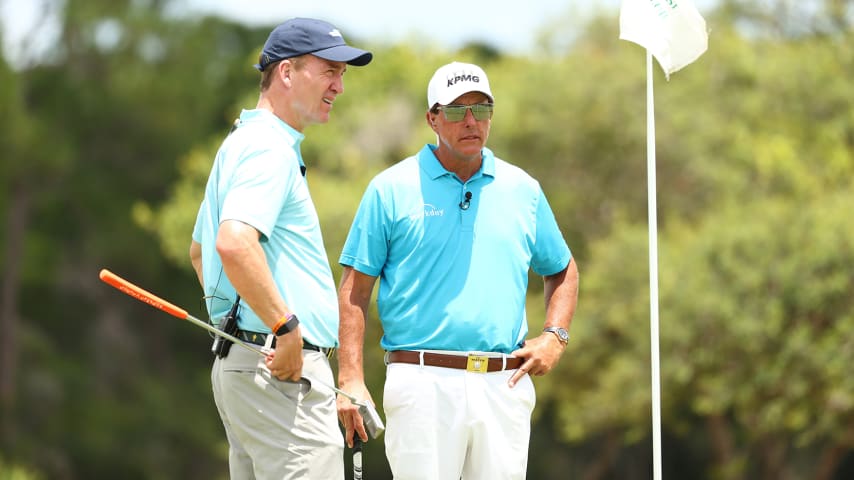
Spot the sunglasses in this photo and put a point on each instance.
(455, 113)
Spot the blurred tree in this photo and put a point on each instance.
(755, 334)
(755, 167)
(87, 130)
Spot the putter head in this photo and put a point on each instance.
(373, 423)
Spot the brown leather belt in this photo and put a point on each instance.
(472, 362)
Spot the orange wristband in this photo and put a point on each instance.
(286, 325)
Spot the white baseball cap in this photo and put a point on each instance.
(455, 79)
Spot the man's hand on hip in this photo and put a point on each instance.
(541, 354)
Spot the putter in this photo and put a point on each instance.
(373, 423)
(357, 458)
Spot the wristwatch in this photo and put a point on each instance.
(560, 332)
(286, 325)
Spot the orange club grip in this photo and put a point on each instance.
(145, 296)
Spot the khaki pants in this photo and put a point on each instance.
(278, 430)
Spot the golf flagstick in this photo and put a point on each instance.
(372, 420)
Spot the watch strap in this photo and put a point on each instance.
(560, 332)
(286, 325)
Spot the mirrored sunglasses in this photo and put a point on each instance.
(455, 113)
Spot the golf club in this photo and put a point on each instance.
(373, 423)
(357, 458)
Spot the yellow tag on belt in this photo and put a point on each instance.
(477, 363)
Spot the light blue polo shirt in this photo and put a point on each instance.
(257, 178)
(454, 278)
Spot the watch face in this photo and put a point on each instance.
(561, 333)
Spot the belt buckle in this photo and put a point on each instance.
(477, 363)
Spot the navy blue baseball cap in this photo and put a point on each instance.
(299, 36)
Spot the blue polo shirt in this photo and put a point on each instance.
(454, 278)
(257, 178)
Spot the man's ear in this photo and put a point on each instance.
(284, 70)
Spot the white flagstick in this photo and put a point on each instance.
(653, 271)
(676, 34)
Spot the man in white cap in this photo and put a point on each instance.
(259, 256)
(452, 233)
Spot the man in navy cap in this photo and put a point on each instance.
(258, 253)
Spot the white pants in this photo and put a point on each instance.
(447, 424)
(278, 430)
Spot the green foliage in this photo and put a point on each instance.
(9, 471)
(177, 216)
(754, 192)
(776, 286)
